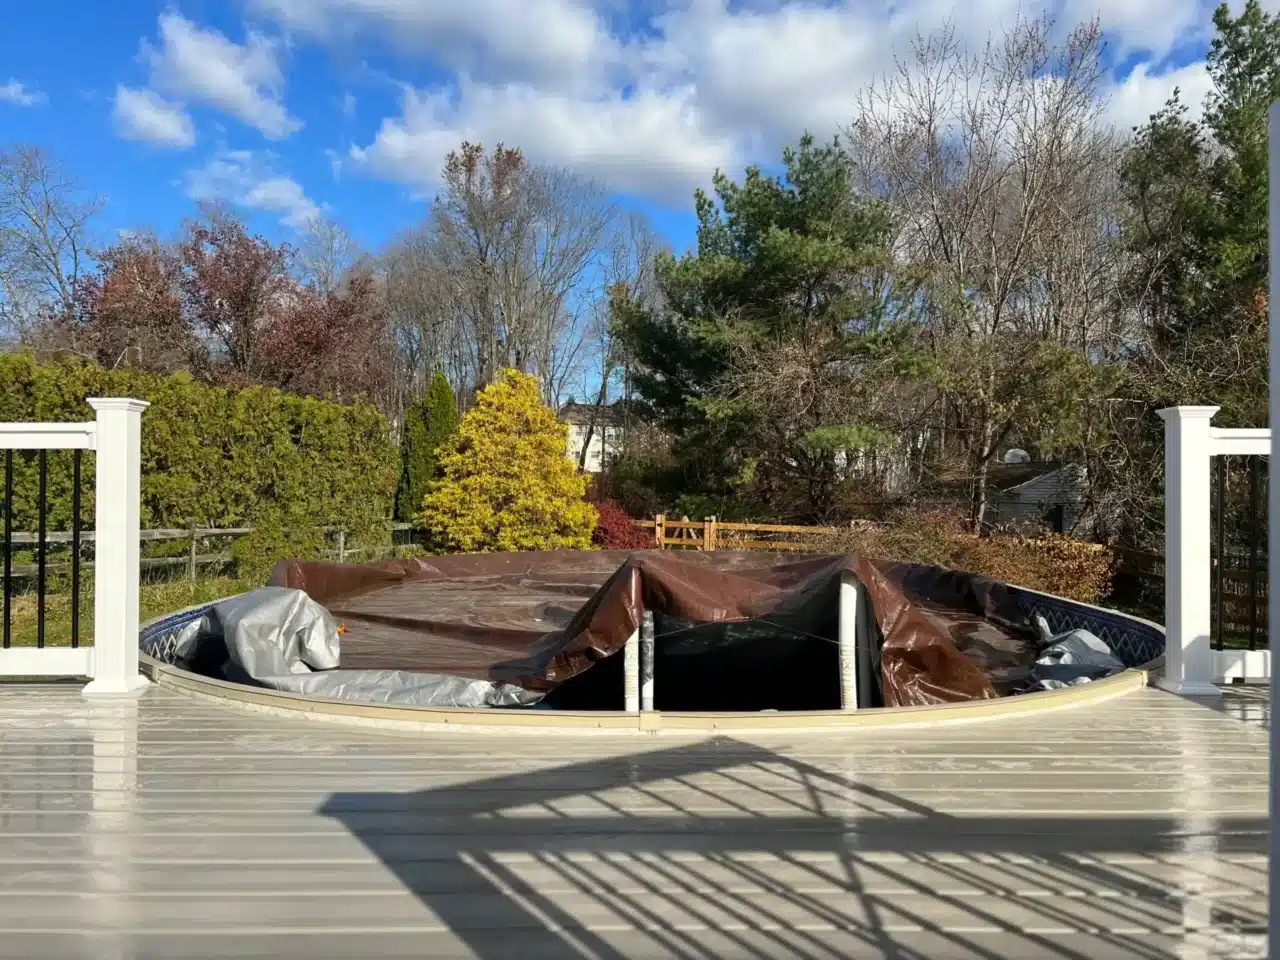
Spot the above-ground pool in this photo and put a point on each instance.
(732, 632)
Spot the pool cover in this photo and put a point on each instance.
(735, 631)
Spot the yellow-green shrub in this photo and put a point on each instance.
(507, 483)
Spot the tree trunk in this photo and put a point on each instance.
(980, 485)
(980, 498)
(993, 434)
(591, 423)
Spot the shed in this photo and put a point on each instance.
(1049, 494)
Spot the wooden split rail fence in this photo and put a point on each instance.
(714, 534)
(192, 559)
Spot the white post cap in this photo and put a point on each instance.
(1188, 413)
(118, 403)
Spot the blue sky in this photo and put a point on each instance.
(290, 107)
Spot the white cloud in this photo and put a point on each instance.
(1134, 99)
(244, 80)
(19, 94)
(1152, 27)
(557, 42)
(649, 142)
(145, 115)
(335, 159)
(651, 95)
(248, 179)
(773, 73)
(282, 195)
(348, 104)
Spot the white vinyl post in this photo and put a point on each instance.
(848, 637)
(118, 442)
(1188, 452)
(637, 667)
(647, 653)
(631, 673)
(1273, 532)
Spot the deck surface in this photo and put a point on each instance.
(176, 827)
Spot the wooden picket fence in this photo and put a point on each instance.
(714, 534)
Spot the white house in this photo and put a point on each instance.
(606, 435)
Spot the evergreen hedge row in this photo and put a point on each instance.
(219, 457)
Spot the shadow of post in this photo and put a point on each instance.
(908, 881)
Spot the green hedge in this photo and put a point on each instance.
(222, 457)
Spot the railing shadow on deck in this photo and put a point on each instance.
(672, 876)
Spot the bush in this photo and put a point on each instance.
(223, 457)
(507, 482)
(1053, 564)
(629, 482)
(428, 425)
(256, 554)
(929, 537)
(615, 531)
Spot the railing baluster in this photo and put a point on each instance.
(8, 547)
(1219, 568)
(1253, 552)
(42, 510)
(1264, 549)
(75, 548)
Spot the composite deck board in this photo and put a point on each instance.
(614, 944)
(177, 827)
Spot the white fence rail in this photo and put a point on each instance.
(1192, 666)
(116, 438)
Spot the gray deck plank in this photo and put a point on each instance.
(177, 827)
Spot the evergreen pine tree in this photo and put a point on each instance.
(430, 422)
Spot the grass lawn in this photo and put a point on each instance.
(155, 600)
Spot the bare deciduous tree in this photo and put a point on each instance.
(505, 271)
(1002, 177)
(428, 334)
(326, 253)
(629, 282)
(517, 244)
(45, 218)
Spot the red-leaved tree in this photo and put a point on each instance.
(225, 305)
(233, 287)
(130, 312)
(334, 343)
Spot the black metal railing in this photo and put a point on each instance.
(8, 549)
(28, 563)
(1239, 552)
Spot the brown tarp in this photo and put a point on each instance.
(541, 619)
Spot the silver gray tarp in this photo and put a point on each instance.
(1071, 658)
(281, 638)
